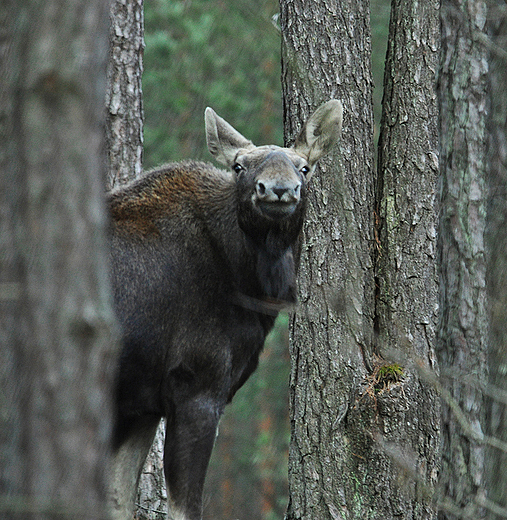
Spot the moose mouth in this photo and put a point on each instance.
(277, 209)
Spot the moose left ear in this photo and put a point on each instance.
(321, 132)
(223, 140)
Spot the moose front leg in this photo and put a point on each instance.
(190, 436)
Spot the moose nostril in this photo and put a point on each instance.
(268, 191)
(261, 189)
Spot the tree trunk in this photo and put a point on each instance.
(151, 503)
(325, 54)
(496, 460)
(56, 322)
(406, 270)
(362, 444)
(125, 151)
(124, 93)
(463, 330)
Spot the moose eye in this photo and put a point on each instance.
(305, 170)
(237, 168)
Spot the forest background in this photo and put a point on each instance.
(404, 263)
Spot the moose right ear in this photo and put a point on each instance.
(223, 140)
(321, 131)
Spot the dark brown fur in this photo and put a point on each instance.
(201, 259)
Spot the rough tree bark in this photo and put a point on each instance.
(151, 503)
(325, 54)
(124, 93)
(362, 443)
(125, 151)
(406, 271)
(463, 330)
(57, 329)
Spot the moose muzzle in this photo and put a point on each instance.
(278, 187)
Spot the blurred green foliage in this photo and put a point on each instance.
(202, 53)
(226, 54)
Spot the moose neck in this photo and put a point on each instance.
(258, 250)
(271, 272)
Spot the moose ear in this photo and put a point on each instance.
(223, 140)
(321, 132)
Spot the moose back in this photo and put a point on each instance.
(199, 255)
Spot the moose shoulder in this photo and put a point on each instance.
(198, 256)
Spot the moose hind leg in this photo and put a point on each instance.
(126, 465)
(188, 446)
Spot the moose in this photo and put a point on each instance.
(202, 259)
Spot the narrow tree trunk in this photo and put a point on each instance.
(56, 323)
(151, 503)
(463, 332)
(125, 151)
(124, 95)
(326, 54)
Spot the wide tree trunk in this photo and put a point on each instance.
(326, 54)
(362, 443)
(406, 248)
(463, 331)
(57, 329)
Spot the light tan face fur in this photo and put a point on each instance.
(251, 158)
(319, 134)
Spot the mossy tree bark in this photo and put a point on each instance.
(57, 328)
(363, 447)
